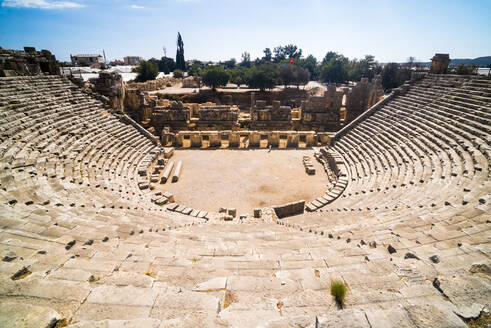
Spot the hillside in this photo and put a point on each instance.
(479, 61)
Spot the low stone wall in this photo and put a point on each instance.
(198, 139)
(289, 209)
(153, 85)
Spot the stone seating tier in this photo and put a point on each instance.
(406, 225)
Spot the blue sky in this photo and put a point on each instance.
(223, 29)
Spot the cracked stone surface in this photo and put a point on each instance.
(70, 171)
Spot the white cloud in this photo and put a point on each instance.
(42, 4)
(136, 7)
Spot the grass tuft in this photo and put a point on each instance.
(151, 274)
(92, 278)
(339, 289)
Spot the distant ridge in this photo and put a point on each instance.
(479, 61)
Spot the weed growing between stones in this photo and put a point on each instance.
(339, 289)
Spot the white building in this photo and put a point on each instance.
(86, 60)
(132, 60)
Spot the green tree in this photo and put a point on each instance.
(366, 67)
(167, 65)
(289, 51)
(229, 64)
(238, 75)
(215, 77)
(286, 73)
(146, 71)
(389, 76)
(328, 57)
(180, 62)
(263, 76)
(246, 59)
(310, 63)
(302, 76)
(336, 69)
(268, 56)
(196, 68)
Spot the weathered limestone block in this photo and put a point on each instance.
(196, 139)
(289, 209)
(117, 303)
(310, 141)
(212, 284)
(342, 319)
(292, 139)
(274, 139)
(135, 323)
(323, 138)
(429, 315)
(254, 139)
(234, 139)
(224, 137)
(215, 139)
(232, 212)
(179, 140)
(439, 63)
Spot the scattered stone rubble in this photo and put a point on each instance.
(27, 62)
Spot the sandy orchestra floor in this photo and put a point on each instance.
(244, 179)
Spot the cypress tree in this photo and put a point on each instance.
(180, 63)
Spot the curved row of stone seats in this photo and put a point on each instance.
(231, 275)
(93, 254)
(94, 132)
(455, 183)
(336, 186)
(411, 151)
(428, 163)
(68, 144)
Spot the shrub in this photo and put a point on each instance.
(178, 74)
(339, 290)
(146, 71)
(466, 69)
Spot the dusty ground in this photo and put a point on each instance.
(244, 179)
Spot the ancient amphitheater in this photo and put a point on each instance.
(86, 241)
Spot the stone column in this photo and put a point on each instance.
(254, 139)
(323, 138)
(196, 140)
(224, 135)
(234, 139)
(179, 139)
(253, 102)
(274, 139)
(292, 140)
(310, 139)
(215, 140)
